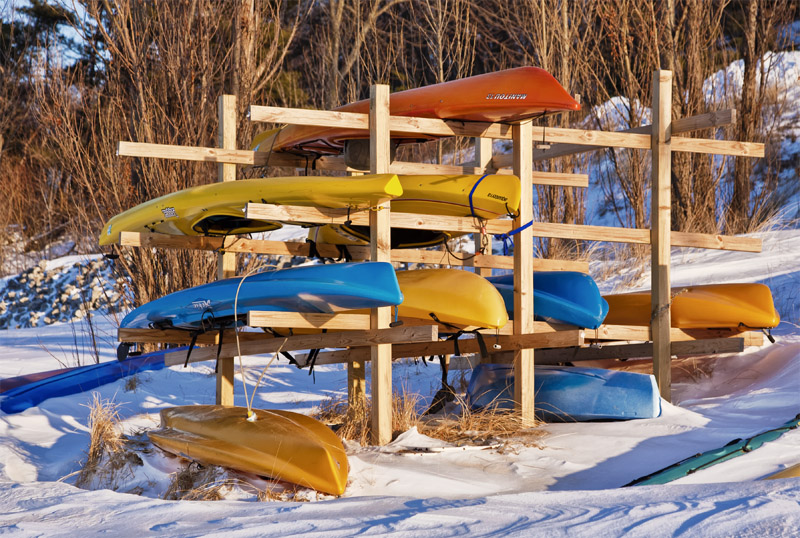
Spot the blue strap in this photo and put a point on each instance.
(506, 237)
(475, 186)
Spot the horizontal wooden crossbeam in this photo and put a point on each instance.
(496, 227)
(438, 127)
(636, 138)
(719, 118)
(630, 351)
(643, 334)
(329, 163)
(466, 345)
(370, 337)
(299, 320)
(280, 248)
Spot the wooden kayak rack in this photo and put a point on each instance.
(370, 338)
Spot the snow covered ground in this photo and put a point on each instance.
(568, 483)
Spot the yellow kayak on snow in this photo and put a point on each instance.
(218, 208)
(491, 196)
(789, 472)
(279, 444)
(713, 306)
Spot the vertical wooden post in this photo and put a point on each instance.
(356, 375)
(483, 159)
(660, 229)
(523, 271)
(380, 250)
(226, 261)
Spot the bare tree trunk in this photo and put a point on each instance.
(746, 124)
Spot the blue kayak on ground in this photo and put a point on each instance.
(313, 288)
(18, 394)
(569, 394)
(566, 296)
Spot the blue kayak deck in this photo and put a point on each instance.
(314, 288)
(564, 296)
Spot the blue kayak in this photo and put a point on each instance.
(313, 288)
(569, 394)
(564, 296)
(20, 393)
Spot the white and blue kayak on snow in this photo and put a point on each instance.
(568, 393)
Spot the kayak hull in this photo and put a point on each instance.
(19, 394)
(488, 196)
(314, 288)
(218, 208)
(744, 306)
(569, 394)
(277, 444)
(502, 96)
(455, 297)
(562, 296)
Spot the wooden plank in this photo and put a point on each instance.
(719, 118)
(226, 261)
(287, 213)
(423, 333)
(716, 242)
(566, 338)
(300, 320)
(380, 251)
(707, 120)
(467, 225)
(167, 336)
(523, 273)
(560, 179)
(397, 124)
(438, 127)
(280, 248)
(186, 153)
(717, 147)
(481, 240)
(636, 333)
(630, 351)
(660, 223)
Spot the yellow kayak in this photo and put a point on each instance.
(789, 472)
(492, 196)
(218, 208)
(454, 296)
(279, 444)
(743, 306)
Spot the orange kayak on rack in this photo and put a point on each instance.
(743, 306)
(502, 96)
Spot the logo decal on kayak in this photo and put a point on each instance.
(202, 304)
(497, 197)
(169, 212)
(506, 96)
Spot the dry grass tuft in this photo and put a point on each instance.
(108, 457)
(196, 482)
(132, 383)
(486, 426)
(466, 428)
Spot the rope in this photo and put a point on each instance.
(475, 186)
(506, 237)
